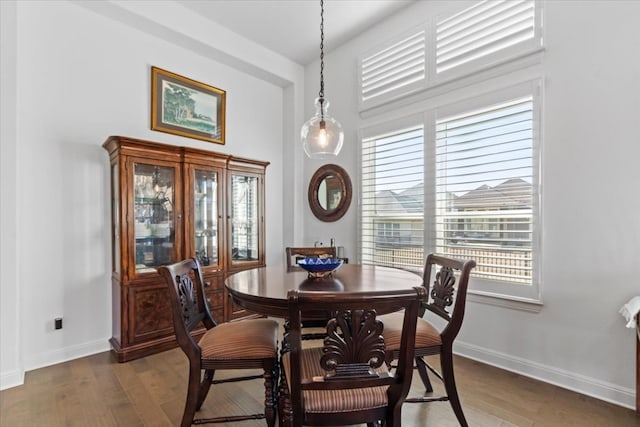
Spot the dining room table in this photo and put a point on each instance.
(264, 290)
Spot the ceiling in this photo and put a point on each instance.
(292, 27)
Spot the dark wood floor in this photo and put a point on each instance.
(98, 391)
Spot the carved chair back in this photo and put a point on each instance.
(446, 298)
(353, 352)
(187, 301)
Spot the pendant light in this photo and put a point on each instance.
(322, 135)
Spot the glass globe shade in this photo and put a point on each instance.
(322, 135)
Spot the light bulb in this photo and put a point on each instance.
(322, 135)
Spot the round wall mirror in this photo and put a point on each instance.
(330, 193)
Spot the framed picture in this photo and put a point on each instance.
(185, 107)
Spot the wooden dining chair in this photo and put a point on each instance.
(346, 381)
(245, 344)
(444, 294)
(295, 254)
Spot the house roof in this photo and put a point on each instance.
(410, 200)
(510, 194)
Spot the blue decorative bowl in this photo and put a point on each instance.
(320, 267)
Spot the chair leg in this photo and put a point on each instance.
(270, 392)
(424, 374)
(394, 420)
(205, 385)
(446, 363)
(193, 390)
(284, 405)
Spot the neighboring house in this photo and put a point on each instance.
(398, 214)
(488, 216)
(490, 224)
(399, 217)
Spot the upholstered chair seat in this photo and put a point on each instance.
(240, 340)
(318, 401)
(426, 334)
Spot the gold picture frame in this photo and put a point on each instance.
(185, 107)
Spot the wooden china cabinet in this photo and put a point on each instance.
(169, 203)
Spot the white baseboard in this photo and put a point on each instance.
(11, 379)
(570, 380)
(65, 354)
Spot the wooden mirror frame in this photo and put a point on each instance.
(345, 186)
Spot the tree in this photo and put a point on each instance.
(178, 105)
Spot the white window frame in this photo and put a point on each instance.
(523, 297)
(380, 130)
(530, 294)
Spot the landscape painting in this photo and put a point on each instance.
(185, 107)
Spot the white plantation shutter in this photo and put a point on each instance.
(244, 217)
(393, 67)
(392, 199)
(474, 134)
(485, 189)
(456, 44)
(483, 29)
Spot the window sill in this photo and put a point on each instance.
(505, 301)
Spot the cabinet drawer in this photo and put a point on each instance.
(213, 282)
(149, 313)
(218, 314)
(215, 299)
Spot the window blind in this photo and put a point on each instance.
(485, 189)
(244, 217)
(393, 67)
(482, 29)
(392, 204)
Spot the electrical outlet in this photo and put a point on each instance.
(58, 322)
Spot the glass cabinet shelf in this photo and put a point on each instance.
(206, 216)
(153, 206)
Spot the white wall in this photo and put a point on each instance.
(67, 84)
(590, 174)
(10, 363)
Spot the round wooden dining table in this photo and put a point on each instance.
(264, 290)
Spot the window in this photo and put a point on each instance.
(476, 193)
(394, 68)
(484, 188)
(483, 29)
(388, 232)
(461, 40)
(465, 188)
(392, 206)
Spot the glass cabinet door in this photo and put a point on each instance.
(154, 222)
(206, 217)
(244, 212)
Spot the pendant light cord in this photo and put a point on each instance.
(321, 93)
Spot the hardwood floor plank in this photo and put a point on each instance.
(98, 391)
